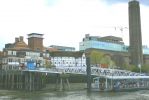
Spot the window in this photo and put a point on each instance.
(27, 53)
(9, 52)
(14, 52)
(44, 54)
(90, 38)
(48, 55)
(9, 60)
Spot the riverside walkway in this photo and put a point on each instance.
(35, 79)
(101, 72)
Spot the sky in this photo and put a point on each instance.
(65, 22)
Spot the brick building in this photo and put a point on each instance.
(35, 41)
(18, 54)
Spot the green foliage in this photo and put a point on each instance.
(145, 68)
(96, 56)
(107, 60)
(48, 64)
(132, 68)
(112, 64)
(136, 69)
(125, 67)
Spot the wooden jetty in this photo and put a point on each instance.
(31, 81)
(21, 80)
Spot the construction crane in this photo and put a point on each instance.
(121, 28)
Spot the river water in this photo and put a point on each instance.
(73, 95)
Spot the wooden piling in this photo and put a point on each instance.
(62, 82)
(29, 80)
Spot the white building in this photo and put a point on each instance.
(68, 59)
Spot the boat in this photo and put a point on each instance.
(120, 83)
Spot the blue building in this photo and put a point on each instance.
(111, 43)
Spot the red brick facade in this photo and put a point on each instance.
(35, 41)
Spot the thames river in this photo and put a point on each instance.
(73, 95)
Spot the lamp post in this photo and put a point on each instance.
(139, 65)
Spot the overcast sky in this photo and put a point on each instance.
(65, 22)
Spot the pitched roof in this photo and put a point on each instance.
(20, 45)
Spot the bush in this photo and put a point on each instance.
(145, 68)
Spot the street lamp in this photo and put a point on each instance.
(139, 65)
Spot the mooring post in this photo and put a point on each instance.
(56, 85)
(67, 81)
(61, 84)
(88, 70)
(12, 81)
(30, 81)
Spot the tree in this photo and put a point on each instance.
(145, 68)
(48, 64)
(95, 57)
(133, 68)
(106, 59)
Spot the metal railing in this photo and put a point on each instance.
(94, 71)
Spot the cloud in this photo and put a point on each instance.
(65, 22)
(143, 2)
